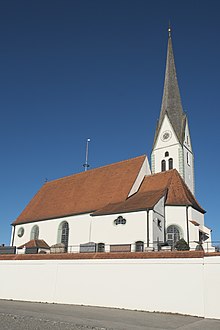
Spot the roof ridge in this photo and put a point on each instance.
(190, 192)
(159, 173)
(184, 185)
(186, 190)
(94, 169)
(146, 192)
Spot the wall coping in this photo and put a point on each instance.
(110, 255)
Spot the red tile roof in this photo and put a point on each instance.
(153, 187)
(84, 192)
(177, 191)
(105, 190)
(39, 243)
(195, 223)
(137, 202)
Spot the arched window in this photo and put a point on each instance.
(166, 154)
(163, 165)
(63, 233)
(170, 163)
(173, 235)
(139, 246)
(35, 232)
(101, 247)
(120, 221)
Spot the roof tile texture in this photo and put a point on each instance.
(140, 201)
(177, 191)
(168, 184)
(39, 243)
(104, 191)
(84, 192)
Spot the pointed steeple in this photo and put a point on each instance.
(171, 102)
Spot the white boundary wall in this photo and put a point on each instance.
(186, 286)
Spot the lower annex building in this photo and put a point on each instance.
(125, 206)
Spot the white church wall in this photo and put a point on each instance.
(104, 230)
(188, 168)
(193, 235)
(194, 230)
(112, 283)
(79, 230)
(166, 126)
(176, 215)
(145, 170)
(196, 215)
(85, 228)
(159, 155)
(187, 140)
(159, 207)
(158, 221)
(161, 146)
(47, 231)
(188, 159)
(151, 228)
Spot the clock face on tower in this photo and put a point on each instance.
(166, 136)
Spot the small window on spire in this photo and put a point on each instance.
(166, 154)
(163, 165)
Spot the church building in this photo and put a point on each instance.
(129, 205)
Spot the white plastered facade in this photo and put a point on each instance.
(146, 226)
(182, 156)
(171, 146)
(188, 160)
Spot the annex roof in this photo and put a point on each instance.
(153, 188)
(138, 202)
(177, 191)
(39, 243)
(83, 192)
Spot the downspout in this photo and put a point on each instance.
(13, 236)
(165, 235)
(90, 229)
(187, 223)
(148, 237)
(164, 207)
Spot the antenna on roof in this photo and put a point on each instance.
(86, 165)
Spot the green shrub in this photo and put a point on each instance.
(182, 245)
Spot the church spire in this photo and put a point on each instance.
(172, 144)
(171, 101)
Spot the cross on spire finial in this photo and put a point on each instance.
(169, 30)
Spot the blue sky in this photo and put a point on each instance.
(72, 70)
